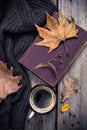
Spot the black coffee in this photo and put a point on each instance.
(42, 99)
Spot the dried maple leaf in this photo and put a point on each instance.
(57, 30)
(8, 82)
(70, 87)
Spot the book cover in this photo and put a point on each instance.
(35, 55)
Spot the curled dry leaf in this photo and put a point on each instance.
(8, 82)
(57, 30)
(65, 108)
(71, 86)
(46, 65)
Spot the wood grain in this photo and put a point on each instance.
(40, 122)
(76, 118)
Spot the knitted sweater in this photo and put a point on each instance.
(17, 31)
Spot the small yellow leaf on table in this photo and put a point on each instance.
(65, 108)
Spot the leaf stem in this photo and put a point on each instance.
(66, 49)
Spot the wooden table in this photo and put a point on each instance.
(76, 118)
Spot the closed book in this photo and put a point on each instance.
(35, 55)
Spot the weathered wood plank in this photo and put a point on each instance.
(43, 122)
(78, 120)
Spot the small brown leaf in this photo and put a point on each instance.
(8, 82)
(70, 87)
(46, 65)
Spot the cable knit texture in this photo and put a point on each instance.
(17, 31)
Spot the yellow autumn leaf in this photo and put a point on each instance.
(57, 30)
(65, 108)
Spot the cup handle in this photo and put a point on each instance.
(31, 115)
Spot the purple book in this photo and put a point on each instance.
(35, 55)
